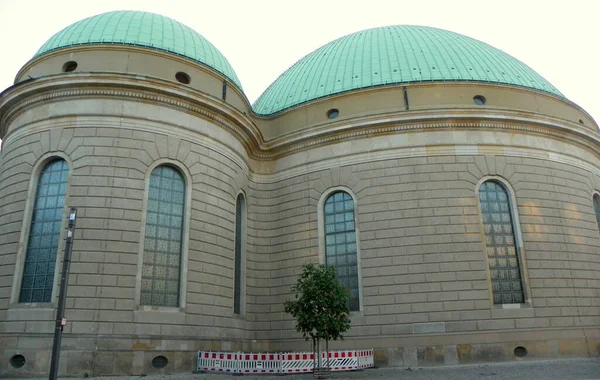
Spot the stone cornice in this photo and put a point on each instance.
(18, 99)
(430, 120)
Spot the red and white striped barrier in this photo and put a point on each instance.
(218, 361)
(259, 363)
(271, 363)
(297, 362)
(365, 359)
(341, 360)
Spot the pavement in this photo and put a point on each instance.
(568, 369)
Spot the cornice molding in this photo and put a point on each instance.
(139, 87)
(20, 98)
(459, 122)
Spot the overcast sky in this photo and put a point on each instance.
(261, 38)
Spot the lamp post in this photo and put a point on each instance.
(61, 321)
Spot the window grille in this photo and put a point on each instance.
(340, 243)
(596, 200)
(163, 238)
(500, 243)
(44, 233)
(239, 220)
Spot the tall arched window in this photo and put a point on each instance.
(44, 233)
(340, 243)
(500, 242)
(240, 220)
(596, 200)
(161, 265)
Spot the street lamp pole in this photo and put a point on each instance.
(62, 296)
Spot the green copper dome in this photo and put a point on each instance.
(392, 55)
(142, 29)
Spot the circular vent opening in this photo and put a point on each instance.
(69, 66)
(520, 352)
(479, 100)
(17, 361)
(182, 77)
(160, 362)
(333, 113)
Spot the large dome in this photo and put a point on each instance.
(142, 29)
(392, 55)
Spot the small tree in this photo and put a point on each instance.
(320, 306)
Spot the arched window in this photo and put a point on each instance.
(500, 242)
(44, 233)
(340, 243)
(596, 200)
(240, 221)
(161, 265)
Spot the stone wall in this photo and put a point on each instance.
(425, 287)
(426, 292)
(108, 331)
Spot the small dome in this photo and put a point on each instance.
(142, 29)
(392, 55)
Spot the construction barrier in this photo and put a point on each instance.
(341, 360)
(365, 359)
(297, 362)
(283, 363)
(218, 361)
(259, 363)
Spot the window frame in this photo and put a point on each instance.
(595, 195)
(243, 259)
(40, 164)
(183, 269)
(516, 223)
(321, 231)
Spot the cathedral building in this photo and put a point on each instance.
(454, 189)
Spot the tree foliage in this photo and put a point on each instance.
(320, 306)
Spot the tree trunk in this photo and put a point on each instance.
(327, 353)
(314, 353)
(319, 359)
(320, 371)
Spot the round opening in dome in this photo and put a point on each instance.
(69, 66)
(17, 361)
(333, 113)
(160, 362)
(183, 77)
(479, 100)
(136, 28)
(520, 352)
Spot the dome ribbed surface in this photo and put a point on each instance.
(142, 29)
(393, 55)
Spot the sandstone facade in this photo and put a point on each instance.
(413, 169)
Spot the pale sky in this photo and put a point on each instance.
(261, 38)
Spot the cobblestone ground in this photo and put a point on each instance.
(573, 369)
